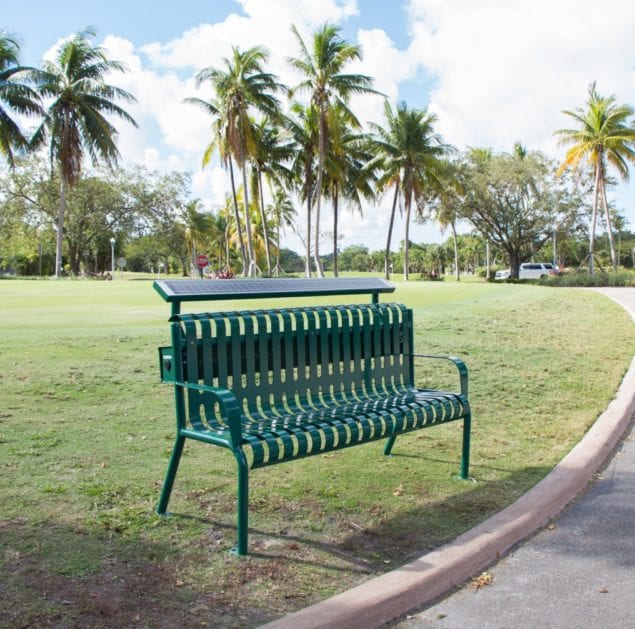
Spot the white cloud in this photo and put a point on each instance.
(308, 12)
(387, 65)
(506, 70)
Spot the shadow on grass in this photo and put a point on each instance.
(392, 539)
(54, 574)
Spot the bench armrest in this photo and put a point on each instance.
(460, 365)
(229, 407)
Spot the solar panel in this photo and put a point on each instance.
(208, 290)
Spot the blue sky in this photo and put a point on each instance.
(494, 72)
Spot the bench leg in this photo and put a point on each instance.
(465, 456)
(389, 444)
(171, 474)
(242, 504)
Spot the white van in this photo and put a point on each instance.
(529, 271)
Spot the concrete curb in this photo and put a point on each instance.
(417, 583)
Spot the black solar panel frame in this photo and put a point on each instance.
(177, 291)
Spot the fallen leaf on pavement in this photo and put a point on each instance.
(483, 579)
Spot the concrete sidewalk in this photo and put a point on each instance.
(581, 573)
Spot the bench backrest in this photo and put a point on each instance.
(288, 356)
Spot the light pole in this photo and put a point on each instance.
(112, 258)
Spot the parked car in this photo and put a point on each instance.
(529, 271)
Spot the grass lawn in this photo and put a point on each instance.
(86, 430)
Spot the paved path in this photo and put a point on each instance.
(577, 574)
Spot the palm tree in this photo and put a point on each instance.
(198, 227)
(302, 126)
(269, 158)
(76, 119)
(328, 85)
(243, 85)
(447, 208)
(346, 178)
(604, 136)
(16, 97)
(283, 213)
(220, 142)
(410, 157)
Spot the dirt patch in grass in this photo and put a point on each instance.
(119, 589)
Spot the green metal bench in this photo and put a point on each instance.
(276, 385)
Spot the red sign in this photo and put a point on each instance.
(202, 261)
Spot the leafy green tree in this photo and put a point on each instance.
(26, 191)
(158, 202)
(290, 261)
(514, 201)
(127, 203)
(323, 66)
(604, 135)
(243, 85)
(619, 223)
(76, 120)
(355, 258)
(418, 259)
(409, 157)
(16, 97)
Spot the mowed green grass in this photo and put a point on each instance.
(86, 430)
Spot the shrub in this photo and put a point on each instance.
(620, 278)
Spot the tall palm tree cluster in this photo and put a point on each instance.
(73, 103)
(315, 149)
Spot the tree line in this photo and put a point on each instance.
(289, 150)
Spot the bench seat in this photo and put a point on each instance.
(277, 435)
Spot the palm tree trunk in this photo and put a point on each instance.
(406, 257)
(239, 231)
(251, 271)
(263, 219)
(307, 267)
(456, 252)
(596, 192)
(60, 231)
(227, 247)
(276, 271)
(607, 216)
(321, 153)
(335, 220)
(390, 226)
